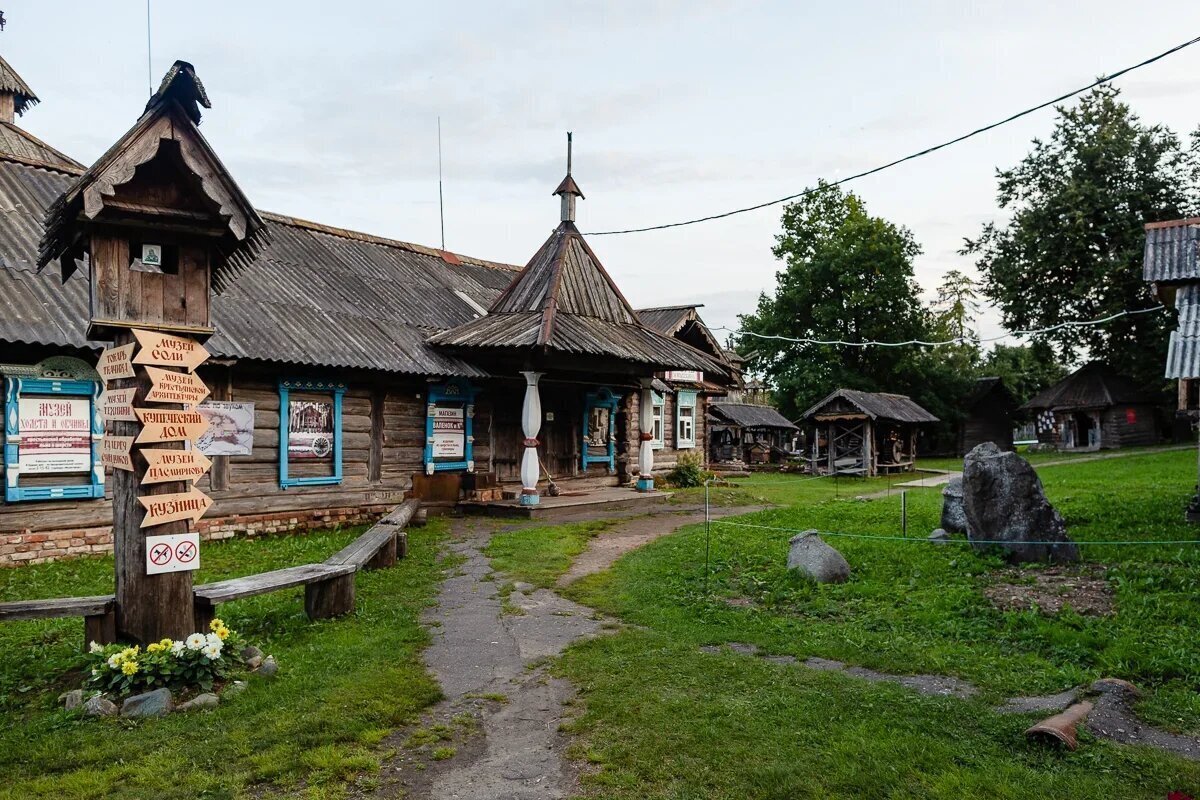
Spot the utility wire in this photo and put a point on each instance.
(956, 340)
(919, 154)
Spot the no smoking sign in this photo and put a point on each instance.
(176, 552)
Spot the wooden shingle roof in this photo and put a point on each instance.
(11, 82)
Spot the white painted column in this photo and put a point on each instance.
(646, 452)
(531, 424)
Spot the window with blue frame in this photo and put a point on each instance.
(685, 420)
(53, 431)
(658, 401)
(450, 427)
(310, 432)
(599, 429)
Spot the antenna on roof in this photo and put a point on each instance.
(2, 21)
(570, 136)
(149, 69)
(441, 204)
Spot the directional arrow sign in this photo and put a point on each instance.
(174, 465)
(175, 387)
(116, 362)
(169, 426)
(114, 452)
(116, 405)
(164, 508)
(165, 350)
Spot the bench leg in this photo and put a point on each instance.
(329, 598)
(203, 613)
(386, 557)
(402, 544)
(100, 628)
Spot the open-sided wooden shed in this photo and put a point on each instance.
(864, 433)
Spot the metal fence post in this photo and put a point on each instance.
(707, 531)
(904, 512)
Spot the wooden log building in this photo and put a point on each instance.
(349, 370)
(987, 416)
(864, 433)
(1094, 408)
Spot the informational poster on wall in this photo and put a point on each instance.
(230, 428)
(56, 435)
(449, 431)
(310, 430)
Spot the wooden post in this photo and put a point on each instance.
(149, 607)
(531, 425)
(645, 481)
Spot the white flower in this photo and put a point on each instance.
(195, 641)
(211, 652)
(94, 648)
(213, 640)
(95, 672)
(177, 648)
(114, 662)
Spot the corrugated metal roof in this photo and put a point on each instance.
(749, 415)
(1170, 253)
(877, 405)
(1183, 356)
(1094, 385)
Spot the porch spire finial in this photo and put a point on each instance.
(568, 190)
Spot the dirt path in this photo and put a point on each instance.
(496, 734)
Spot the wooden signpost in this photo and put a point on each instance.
(116, 405)
(165, 350)
(175, 387)
(116, 363)
(115, 452)
(160, 425)
(173, 465)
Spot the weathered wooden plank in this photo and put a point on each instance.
(329, 598)
(57, 607)
(363, 549)
(402, 514)
(265, 582)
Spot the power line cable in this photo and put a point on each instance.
(912, 156)
(954, 341)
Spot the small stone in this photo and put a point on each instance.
(251, 651)
(234, 689)
(522, 586)
(200, 701)
(939, 536)
(1116, 686)
(254, 662)
(100, 706)
(269, 667)
(72, 700)
(811, 556)
(157, 703)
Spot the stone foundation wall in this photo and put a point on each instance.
(29, 547)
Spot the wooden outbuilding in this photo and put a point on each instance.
(987, 416)
(1094, 408)
(864, 433)
(749, 432)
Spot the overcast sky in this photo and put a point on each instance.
(328, 111)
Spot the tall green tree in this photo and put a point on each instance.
(1025, 369)
(1073, 248)
(846, 276)
(957, 305)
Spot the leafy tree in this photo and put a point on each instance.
(847, 276)
(1025, 369)
(1073, 248)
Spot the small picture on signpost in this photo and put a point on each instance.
(310, 430)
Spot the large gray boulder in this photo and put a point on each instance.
(954, 516)
(1005, 505)
(811, 556)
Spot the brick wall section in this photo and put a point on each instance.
(28, 547)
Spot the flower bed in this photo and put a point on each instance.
(196, 663)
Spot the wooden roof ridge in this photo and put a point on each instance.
(370, 238)
(174, 111)
(65, 163)
(13, 83)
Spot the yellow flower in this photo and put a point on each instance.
(216, 623)
(153, 648)
(129, 667)
(222, 633)
(164, 644)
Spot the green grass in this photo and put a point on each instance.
(1036, 459)
(668, 721)
(539, 555)
(773, 488)
(343, 685)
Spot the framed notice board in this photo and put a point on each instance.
(52, 430)
(450, 427)
(310, 430)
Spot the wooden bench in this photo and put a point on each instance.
(99, 614)
(328, 590)
(329, 586)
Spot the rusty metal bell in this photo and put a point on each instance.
(1061, 727)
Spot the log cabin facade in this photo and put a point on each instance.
(349, 371)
